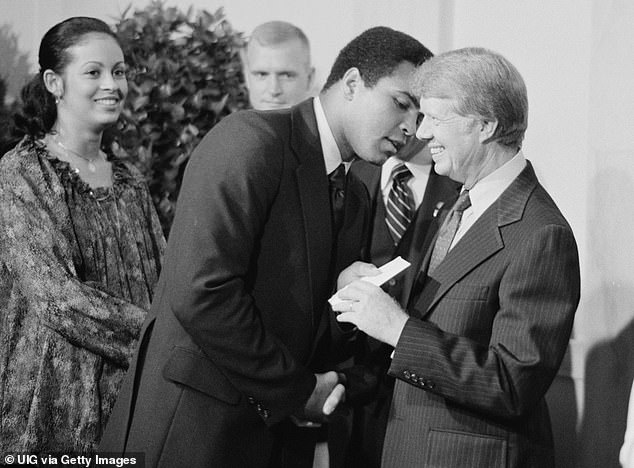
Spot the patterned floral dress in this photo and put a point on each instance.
(77, 271)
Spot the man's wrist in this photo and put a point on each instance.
(397, 329)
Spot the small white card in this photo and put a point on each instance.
(388, 271)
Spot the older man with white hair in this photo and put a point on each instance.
(489, 320)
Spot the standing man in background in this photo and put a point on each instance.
(277, 66)
(489, 320)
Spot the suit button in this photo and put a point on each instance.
(251, 400)
(392, 282)
(426, 384)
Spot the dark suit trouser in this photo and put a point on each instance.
(295, 446)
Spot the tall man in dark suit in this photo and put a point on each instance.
(405, 184)
(489, 320)
(227, 356)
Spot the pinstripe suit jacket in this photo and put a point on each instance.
(485, 339)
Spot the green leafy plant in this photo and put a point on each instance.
(14, 71)
(185, 76)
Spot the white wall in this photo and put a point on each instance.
(577, 59)
(329, 24)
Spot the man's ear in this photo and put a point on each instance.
(487, 129)
(352, 82)
(242, 53)
(311, 78)
(53, 83)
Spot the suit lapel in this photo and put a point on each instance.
(478, 244)
(440, 194)
(312, 182)
(481, 241)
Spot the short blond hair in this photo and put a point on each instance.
(278, 32)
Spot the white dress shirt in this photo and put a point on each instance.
(487, 190)
(332, 155)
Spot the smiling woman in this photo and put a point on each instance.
(80, 248)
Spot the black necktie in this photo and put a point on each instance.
(337, 195)
(448, 231)
(400, 204)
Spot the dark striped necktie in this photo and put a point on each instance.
(400, 203)
(448, 231)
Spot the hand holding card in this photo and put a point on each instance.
(387, 272)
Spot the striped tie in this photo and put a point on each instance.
(400, 204)
(448, 230)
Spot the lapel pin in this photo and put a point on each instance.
(437, 209)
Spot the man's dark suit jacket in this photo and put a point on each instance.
(227, 353)
(371, 419)
(486, 337)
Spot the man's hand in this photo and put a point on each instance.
(372, 310)
(338, 395)
(354, 272)
(328, 393)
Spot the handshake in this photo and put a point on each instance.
(386, 316)
(328, 393)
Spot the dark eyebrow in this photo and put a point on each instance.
(411, 97)
(100, 64)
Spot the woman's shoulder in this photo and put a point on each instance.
(27, 173)
(23, 159)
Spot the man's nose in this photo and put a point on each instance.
(424, 130)
(408, 126)
(274, 87)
